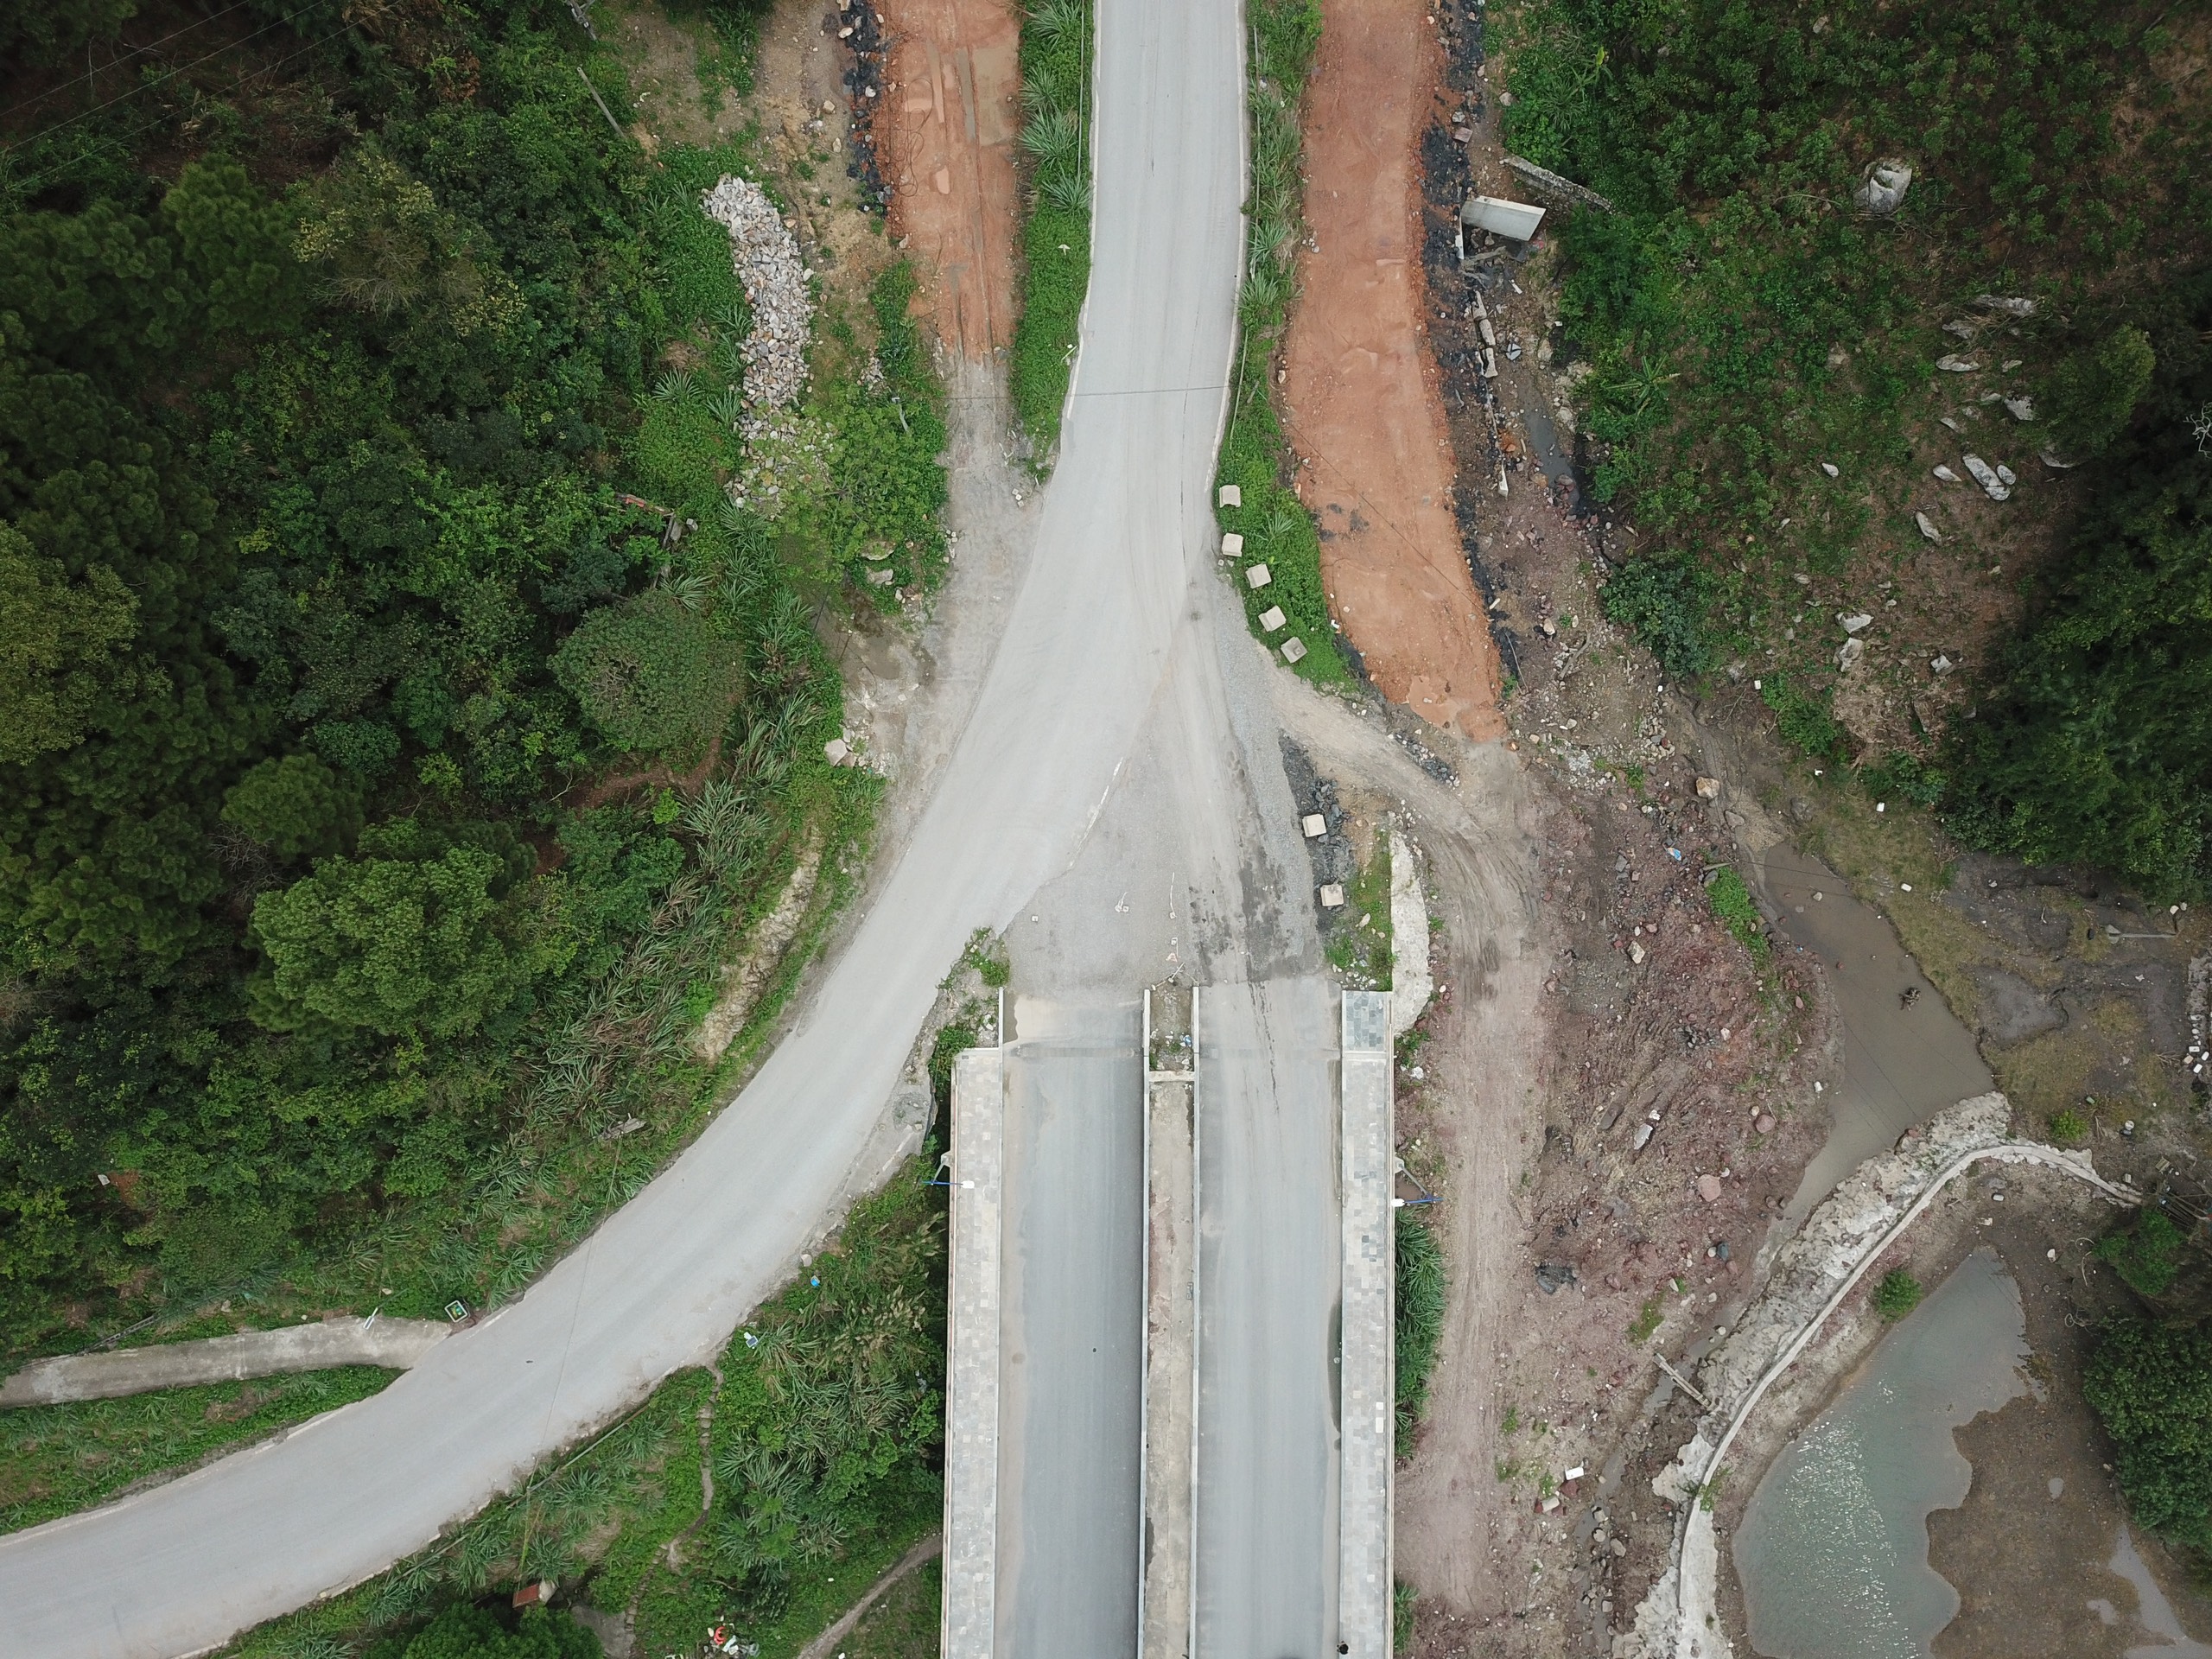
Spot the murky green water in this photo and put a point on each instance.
(1832, 1549)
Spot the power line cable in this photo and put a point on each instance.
(115, 63)
(180, 69)
(122, 138)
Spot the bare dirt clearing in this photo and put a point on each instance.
(1361, 406)
(953, 112)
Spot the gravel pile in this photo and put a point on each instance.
(767, 259)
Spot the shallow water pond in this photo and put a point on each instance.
(1832, 1549)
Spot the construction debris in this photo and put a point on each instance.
(1544, 179)
(768, 265)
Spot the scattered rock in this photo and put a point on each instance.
(1708, 789)
(1764, 1123)
(1853, 648)
(1708, 1188)
(2020, 409)
(1636, 953)
(1882, 188)
(1951, 363)
(1996, 487)
(1961, 327)
(2050, 458)
(1855, 624)
(768, 265)
(1948, 476)
(837, 749)
(2009, 307)
(1552, 1277)
(1831, 469)
(1548, 628)
(1941, 666)
(1927, 526)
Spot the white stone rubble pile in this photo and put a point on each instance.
(767, 259)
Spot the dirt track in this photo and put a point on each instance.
(955, 114)
(1359, 395)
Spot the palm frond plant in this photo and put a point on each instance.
(1056, 20)
(1053, 139)
(1068, 191)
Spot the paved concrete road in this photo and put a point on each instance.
(1124, 532)
(1267, 1293)
(392, 1343)
(1071, 1331)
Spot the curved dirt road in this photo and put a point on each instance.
(1124, 532)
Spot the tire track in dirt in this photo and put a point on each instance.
(950, 131)
(1360, 398)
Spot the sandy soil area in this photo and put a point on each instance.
(948, 139)
(1359, 395)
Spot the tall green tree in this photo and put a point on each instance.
(420, 936)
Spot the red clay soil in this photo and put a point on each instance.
(955, 90)
(1360, 396)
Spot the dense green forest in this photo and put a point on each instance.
(401, 725)
(1740, 316)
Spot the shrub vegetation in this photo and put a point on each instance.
(2151, 1383)
(1742, 321)
(1897, 1294)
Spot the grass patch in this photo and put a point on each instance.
(1732, 903)
(57, 1460)
(1357, 940)
(825, 1436)
(1277, 530)
(1647, 1320)
(1897, 1294)
(903, 1623)
(1056, 38)
(1422, 1289)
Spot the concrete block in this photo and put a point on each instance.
(1314, 825)
(1292, 650)
(1272, 618)
(1232, 545)
(1515, 219)
(1258, 575)
(1231, 496)
(1332, 895)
